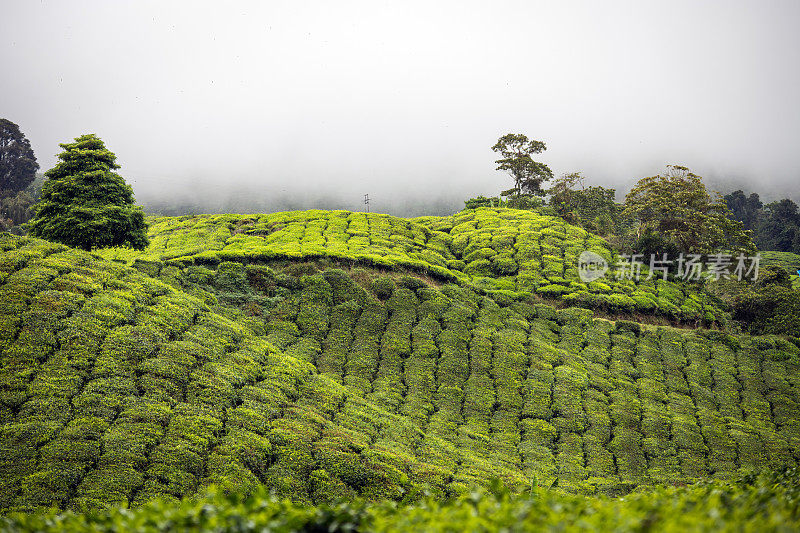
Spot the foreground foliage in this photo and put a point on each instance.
(766, 503)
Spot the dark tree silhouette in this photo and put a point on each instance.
(18, 164)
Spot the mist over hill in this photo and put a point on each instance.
(401, 196)
(201, 199)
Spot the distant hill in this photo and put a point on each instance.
(514, 252)
(329, 355)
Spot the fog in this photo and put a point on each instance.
(247, 106)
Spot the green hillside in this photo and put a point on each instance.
(492, 249)
(328, 355)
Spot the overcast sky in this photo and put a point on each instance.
(317, 103)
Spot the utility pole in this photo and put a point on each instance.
(366, 202)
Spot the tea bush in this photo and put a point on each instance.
(763, 503)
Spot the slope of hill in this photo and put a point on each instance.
(492, 249)
(118, 385)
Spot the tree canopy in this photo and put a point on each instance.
(592, 207)
(776, 225)
(677, 207)
(516, 151)
(85, 204)
(563, 195)
(18, 164)
(744, 208)
(779, 226)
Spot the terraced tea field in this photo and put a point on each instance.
(516, 253)
(247, 352)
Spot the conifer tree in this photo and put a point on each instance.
(86, 204)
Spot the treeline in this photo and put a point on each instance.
(672, 216)
(16, 208)
(775, 226)
(19, 182)
(671, 212)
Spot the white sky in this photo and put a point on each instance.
(321, 102)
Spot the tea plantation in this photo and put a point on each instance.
(491, 249)
(400, 365)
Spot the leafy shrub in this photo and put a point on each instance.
(773, 309)
(552, 291)
(382, 287)
(410, 282)
(480, 253)
(198, 274)
(261, 278)
(479, 267)
(625, 325)
(620, 302)
(504, 266)
(151, 268)
(481, 201)
(230, 277)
